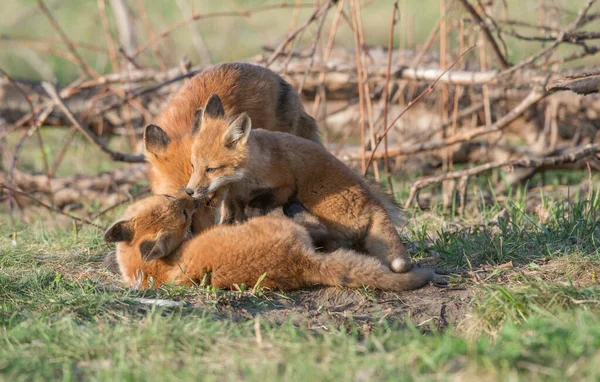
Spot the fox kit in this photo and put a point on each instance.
(151, 244)
(227, 155)
(268, 99)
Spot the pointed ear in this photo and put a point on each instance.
(214, 108)
(155, 139)
(122, 230)
(159, 248)
(197, 121)
(238, 131)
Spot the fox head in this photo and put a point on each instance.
(170, 167)
(219, 149)
(155, 225)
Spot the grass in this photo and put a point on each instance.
(65, 317)
(529, 311)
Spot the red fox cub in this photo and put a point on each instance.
(268, 99)
(151, 243)
(226, 154)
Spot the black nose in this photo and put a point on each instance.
(189, 191)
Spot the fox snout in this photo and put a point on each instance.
(197, 193)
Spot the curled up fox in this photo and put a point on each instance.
(153, 244)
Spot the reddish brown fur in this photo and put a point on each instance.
(292, 167)
(265, 96)
(241, 254)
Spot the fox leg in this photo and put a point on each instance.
(228, 206)
(232, 211)
(383, 242)
(318, 232)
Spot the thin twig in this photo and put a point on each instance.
(150, 32)
(34, 199)
(411, 103)
(122, 157)
(559, 39)
(112, 54)
(293, 34)
(386, 95)
(200, 16)
(488, 35)
(365, 83)
(361, 94)
(313, 48)
(34, 125)
(533, 97)
(332, 33)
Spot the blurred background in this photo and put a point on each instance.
(31, 48)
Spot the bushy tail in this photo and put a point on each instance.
(351, 269)
(308, 128)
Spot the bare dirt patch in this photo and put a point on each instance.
(321, 307)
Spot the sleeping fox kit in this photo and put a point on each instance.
(153, 243)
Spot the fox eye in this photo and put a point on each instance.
(210, 170)
(186, 215)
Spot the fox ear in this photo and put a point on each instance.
(155, 139)
(238, 131)
(197, 121)
(214, 108)
(122, 230)
(164, 244)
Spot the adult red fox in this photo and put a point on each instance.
(151, 244)
(228, 155)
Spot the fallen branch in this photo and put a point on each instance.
(588, 84)
(574, 156)
(533, 97)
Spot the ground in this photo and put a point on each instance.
(522, 304)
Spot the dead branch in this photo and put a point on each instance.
(587, 151)
(587, 84)
(48, 207)
(531, 99)
(411, 103)
(293, 34)
(117, 156)
(200, 16)
(488, 35)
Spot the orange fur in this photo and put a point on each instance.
(239, 254)
(228, 155)
(265, 96)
